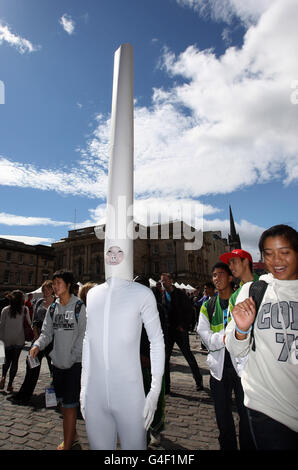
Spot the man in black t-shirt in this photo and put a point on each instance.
(180, 317)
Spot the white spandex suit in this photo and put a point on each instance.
(112, 393)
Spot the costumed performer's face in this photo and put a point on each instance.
(114, 256)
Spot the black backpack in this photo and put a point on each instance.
(257, 290)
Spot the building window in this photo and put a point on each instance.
(30, 278)
(155, 249)
(169, 247)
(31, 260)
(80, 267)
(170, 265)
(156, 268)
(8, 256)
(21, 259)
(18, 278)
(6, 277)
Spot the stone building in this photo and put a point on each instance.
(157, 249)
(24, 266)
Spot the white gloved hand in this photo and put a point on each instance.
(151, 400)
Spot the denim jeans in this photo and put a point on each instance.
(269, 434)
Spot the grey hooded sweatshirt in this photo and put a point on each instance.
(67, 332)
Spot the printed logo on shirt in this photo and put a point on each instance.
(270, 317)
(64, 321)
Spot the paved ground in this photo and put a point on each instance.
(190, 419)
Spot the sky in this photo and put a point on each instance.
(215, 115)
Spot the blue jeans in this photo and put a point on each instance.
(269, 434)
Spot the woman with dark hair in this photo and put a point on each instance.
(12, 334)
(270, 375)
(32, 374)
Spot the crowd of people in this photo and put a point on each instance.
(248, 332)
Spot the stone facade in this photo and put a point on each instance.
(156, 250)
(24, 266)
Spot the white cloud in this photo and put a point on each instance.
(230, 124)
(224, 10)
(21, 44)
(12, 219)
(29, 240)
(67, 23)
(82, 179)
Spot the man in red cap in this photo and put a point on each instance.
(240, 263)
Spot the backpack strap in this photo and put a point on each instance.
(78, 307)
(211, 307)
(257, 291)
(38, 303)
(52, 309)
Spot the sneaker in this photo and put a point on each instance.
(155, 440)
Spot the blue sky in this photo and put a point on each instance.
(216, 113)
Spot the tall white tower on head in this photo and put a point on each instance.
(119, 221)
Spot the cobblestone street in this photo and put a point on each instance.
(190, 420)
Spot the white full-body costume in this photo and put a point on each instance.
(113, 401)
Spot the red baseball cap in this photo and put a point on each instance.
(234, 254)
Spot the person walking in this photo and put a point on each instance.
(180, 313)
(214, 317)
(267, 335)
(66, 324)
(32, 374)
(13, 335)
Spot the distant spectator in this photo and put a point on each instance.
(32, 374)
(28, 304)
(12, 334)
(83, 291)
(180, 316)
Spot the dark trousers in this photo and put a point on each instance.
(32, 375)
(182, 340)
(221, 391)
(269, 434)
(11, 363)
